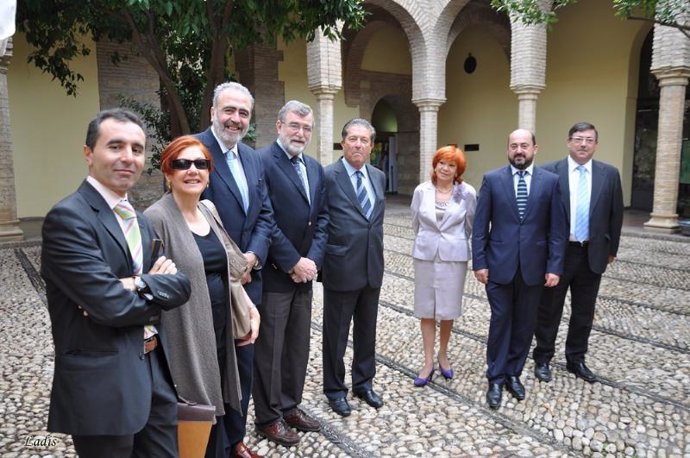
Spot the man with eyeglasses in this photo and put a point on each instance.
(238, 189)
(295, 183)
(592, 199)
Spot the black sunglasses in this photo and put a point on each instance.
(186, 164)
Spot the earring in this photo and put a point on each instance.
(169, 185)
(208, 183)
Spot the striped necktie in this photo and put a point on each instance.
(362, 195)
(582, 206)
(521, 194)
(132, 234)
(298, 168)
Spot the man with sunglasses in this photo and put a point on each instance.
(238, 189)
(296, 188)
(106, 288)
(592, 200)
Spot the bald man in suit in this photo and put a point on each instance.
(518, 244)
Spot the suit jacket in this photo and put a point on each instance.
(605, 210)
(354, 253)
(503, 244)
(101, 384)
(251, 231)
(300, 226)
(450, 237)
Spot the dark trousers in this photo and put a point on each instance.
(281, 353)
(584, 287)
(236, 422)
(158, 437)
(339, 310)
(513, 317)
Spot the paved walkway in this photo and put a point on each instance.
(640, 347)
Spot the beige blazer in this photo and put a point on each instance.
(448, 238)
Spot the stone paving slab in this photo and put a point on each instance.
(640, 346)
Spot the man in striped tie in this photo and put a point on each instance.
(592, 197)
(518, 245)
(111, 389)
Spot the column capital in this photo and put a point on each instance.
(429, 104)
(324, 90)
(527, 89)
(672, 76)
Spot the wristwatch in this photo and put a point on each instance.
(142, 288)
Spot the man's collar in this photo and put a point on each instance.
(110, 197)
(572, 165)
(289, 156)
(222, 146)
(529, 169)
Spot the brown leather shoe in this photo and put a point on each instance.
(242, 451)
(298, 419)
(279, 433)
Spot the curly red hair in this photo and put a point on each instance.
(450, 153)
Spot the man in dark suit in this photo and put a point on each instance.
(238, 189)
(353, 268)
(594, 214)
(111, 388)
(518, 244)
(296, 188)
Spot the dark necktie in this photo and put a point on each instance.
(362, 195)
(521, 194)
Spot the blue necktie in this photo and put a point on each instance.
(298, 168)
(521, 194)
(582, 206)
(362, 195)
(233, 163)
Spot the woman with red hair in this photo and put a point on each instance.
(442, 215)
(199, 337)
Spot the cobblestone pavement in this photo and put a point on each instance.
(640, 348)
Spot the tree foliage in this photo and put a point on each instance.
(673, 13)
(187, 42)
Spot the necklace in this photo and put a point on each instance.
(444, 191)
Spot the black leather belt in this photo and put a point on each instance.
(150, 344)
(582, 244)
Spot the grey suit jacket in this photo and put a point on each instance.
(354, 252)
(605, 209)
(102, 383)
(448, 238)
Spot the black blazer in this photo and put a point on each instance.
(605, 210)
(251, 231)
(300, 227)
(354, 253)
(101, 384)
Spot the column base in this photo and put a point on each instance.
(667, 224)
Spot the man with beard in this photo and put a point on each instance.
(238, 189)
(295, 184)
(518, 246)
(592, 199)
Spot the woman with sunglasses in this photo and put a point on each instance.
(198, 336)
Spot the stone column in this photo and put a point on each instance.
(668, 147)
(671, 66)
(9, 224)
(428, 134)
(325, 76)
(528, 68)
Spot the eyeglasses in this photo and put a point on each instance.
(588, 140)
(294, 127)
(186, 164)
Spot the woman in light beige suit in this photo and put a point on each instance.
(442, 215)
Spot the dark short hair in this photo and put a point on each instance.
(450, 153)
(175, 147)
(581, 127)
(294, 106)
(118, 114)
(359, 122)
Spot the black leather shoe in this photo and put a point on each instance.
(370, 397)
(340, 406)
(515, 387)
(542, 371)
(581, 371)
(493, 395)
